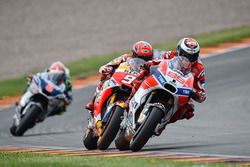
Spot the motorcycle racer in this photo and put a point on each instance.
(140, 49)
(189, 48)
(58, 74)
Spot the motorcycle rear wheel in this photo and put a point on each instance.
(13, 130)
(146, 130)
(111, 129)
(28, 120)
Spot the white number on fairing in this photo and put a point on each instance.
(128, 79)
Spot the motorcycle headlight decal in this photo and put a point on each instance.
(183, 91)
(49, 88)
(160, 78)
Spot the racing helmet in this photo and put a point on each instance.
(143, 50)
(56, 72)
(189, 48)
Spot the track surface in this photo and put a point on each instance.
(221, 124)
(50, 30)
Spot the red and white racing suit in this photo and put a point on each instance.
(198, 71)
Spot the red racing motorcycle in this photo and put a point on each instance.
(109, 104)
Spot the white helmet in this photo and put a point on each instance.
(189, 48)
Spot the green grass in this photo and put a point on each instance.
(12, 87)
(40, 160)
(89, 66)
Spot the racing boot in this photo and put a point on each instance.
(91, 120)
(185, 111)
(91, 124)
(90, 106)
(90, 109)
(189, 111)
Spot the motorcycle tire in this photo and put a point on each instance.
(111, 129)
(13, 130)
(89, 140)
(120, 142)
(146, 130)
(28, 120)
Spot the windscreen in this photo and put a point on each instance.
(56, 77)
(135, 64)
(181, 64)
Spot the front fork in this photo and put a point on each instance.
(21, 106)
(97, 125)
(18, 115)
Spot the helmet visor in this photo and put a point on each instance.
(182, 64)
(146, 58)
(56, 77)
(191, 57)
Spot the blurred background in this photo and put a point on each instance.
(33, 33)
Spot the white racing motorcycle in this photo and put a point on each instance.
(156, 101)
(42, 98)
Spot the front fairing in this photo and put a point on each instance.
(50, 89)
(128, 71)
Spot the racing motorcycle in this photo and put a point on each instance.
(158, 98)
(110, 102)
(44, 97)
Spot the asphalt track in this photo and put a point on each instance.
(221, 125)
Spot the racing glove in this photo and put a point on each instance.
(147, 65)
(29, 79)
(198, 96)
(68, 84)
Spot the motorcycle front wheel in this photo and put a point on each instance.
(28, 120)
(146, 130)
(111, 129)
